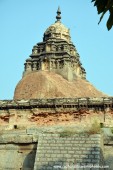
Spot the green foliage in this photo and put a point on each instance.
(104, 6)
(67, 133)
(95, 128)
(112, 130)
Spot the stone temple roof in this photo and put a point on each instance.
(54, 69)
(58, 31)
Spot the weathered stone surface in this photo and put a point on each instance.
(17, 156)
(108, 156)
(11, 138)
(51, 85)
(23, 139)
(7, 138)
(55, 150)
(35, 138)
(56, 112)
(14, 132)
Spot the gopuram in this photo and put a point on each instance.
(57, 119)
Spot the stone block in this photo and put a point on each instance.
(7, 138)
(67, 155)
(32, 130)
(97, 156)
(83, 148)
(41, 155)
(95, 136)
(95, 152)
(89, 141)
(11, 147)
(61, 147)
(91, 156)
(47, 155)
(95, 145)
(56, 151)
(56, 147)
(14, 132)
(97, 142)
(76, 148)
(76, 156)
(85, 160)
(49, 168)
(2, 146)
(59, 155)
(83, 141)
(78, 152)
(71, 152)
(49, 159)
(90, 149)
(97, 148)
(64, 151)
(89, 145)
(84, 156)
(23, 139)
(51, 151)
(74, 141)
(46, 145)
(35, 138)
(96, 161)
(87, 152)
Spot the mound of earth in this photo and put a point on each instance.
(44, 84)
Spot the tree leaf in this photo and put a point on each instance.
(104, 6)
(110, 22)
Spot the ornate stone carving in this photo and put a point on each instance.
(34, 65)
(35, 51)
(28, 66)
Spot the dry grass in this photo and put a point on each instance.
(95, 128)
(68, 132)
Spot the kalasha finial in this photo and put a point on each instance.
(58, 17)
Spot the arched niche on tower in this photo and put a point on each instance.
(45, 64)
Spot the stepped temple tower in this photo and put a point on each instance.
(54, 68)
(56, 53)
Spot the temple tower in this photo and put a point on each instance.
(56, 53)
(54, 70)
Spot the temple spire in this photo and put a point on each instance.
(58, 17)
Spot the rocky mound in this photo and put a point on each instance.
(44, 84)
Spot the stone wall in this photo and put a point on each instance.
(17, 156)
(18, 147)
(60, 151)
(108, 155)
(34, 149)
(108, 147)
(55, 111)
(17, 150)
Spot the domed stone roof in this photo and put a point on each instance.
(57, 30)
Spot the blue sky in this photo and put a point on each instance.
(22, 24)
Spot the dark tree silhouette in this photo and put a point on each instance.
(104, 6)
